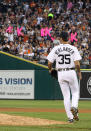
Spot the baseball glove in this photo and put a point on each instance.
(54, 74)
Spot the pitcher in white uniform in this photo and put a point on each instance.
(67, 59)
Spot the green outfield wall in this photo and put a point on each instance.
(45, 87)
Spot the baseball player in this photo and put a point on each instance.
(67, 60)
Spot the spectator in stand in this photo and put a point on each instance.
(30, 16)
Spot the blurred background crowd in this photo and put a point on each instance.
(40, 23)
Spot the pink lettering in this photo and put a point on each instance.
(46, 31)
(9, 29)
(19, 33)
(73, 37)
(52, 39)
(42, 32)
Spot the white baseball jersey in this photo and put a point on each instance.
(65, 55)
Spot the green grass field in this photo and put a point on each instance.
(83, 125)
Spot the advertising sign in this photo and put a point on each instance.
(17, 84)
(85, 85)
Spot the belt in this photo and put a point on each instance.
(66, 69)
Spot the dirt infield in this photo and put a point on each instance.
(26, 121)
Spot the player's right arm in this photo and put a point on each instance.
(77, 66)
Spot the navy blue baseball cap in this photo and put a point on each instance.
(64, 35)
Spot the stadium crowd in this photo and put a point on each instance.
(31, 28)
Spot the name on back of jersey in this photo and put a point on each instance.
(61, 49)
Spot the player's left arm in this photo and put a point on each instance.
(77, 65)
(51, 59)
(77, 58)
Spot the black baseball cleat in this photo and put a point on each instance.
(75, 113)
(70, 120)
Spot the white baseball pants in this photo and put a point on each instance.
(69, 86)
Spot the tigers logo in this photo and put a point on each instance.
(89, 85)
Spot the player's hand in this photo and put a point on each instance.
(53, 73)
(80, 75)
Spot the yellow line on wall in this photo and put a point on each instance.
(22, 59)
(85, 69)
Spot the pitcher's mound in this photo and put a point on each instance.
(23, 121)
